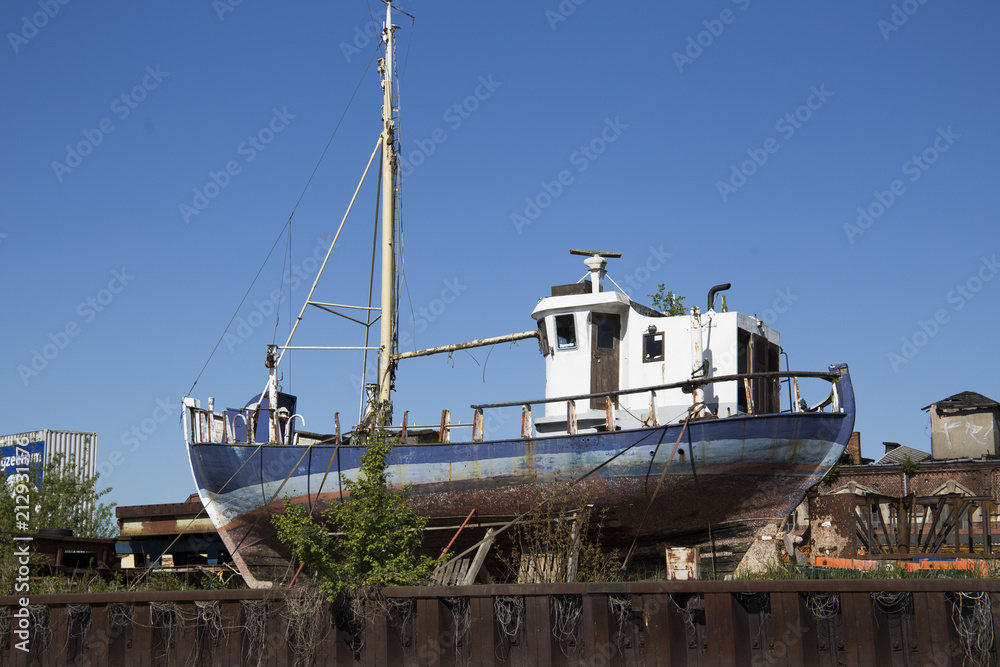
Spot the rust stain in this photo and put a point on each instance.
(530, 458)
(170, 526)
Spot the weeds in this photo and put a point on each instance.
(378, 532)
(559, 544)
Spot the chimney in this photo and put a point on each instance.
(889, 446)
(854, 449)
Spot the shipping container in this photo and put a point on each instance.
(40, 446)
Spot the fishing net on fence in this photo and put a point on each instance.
(823, 605)
(41, 618)
(255, 628)
(621, 609)
(509, 612)
(462, 615)
(121, 616)
(402, 614)
(303, 609)
(892, 603)
(694, 607)
(567, 610)
(5, 627)
(973, 619)
(79, 622)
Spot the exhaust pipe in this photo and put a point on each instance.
(712, 292)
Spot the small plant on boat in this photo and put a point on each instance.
(832, 474)
(668, 303)
(377, 534)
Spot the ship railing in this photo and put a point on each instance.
(207, 425)
(444, 429)
(611, 399)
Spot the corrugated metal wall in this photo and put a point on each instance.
(856, 622)
(80, 446)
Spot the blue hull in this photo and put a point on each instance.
(736, 471)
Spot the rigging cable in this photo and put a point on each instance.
(134, 585)
(659, 483)
(281, 282)
(371, 287)
(286, 225)
(520, 517)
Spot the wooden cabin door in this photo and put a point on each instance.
(605, 342)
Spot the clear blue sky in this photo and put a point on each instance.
(116, 113)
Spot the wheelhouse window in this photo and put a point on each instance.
(565, 332)
(652, 347)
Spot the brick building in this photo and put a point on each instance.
(963, 458)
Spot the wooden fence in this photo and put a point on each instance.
(825, 622)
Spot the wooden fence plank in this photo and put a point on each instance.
(483, 630)
(376, 636)
(60, 650)
(143, 643)
(786, 632)
(228, 652)
(538, 626)
(720, 629)
(184, 647)
(732, 629)
(856, 612)
(277, 644)
(100, 635)
(665, 642)
(428, 641)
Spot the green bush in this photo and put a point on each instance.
(378, 534)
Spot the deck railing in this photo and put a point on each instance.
(687, 386)
(206, 424)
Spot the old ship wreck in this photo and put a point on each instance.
(671, 425)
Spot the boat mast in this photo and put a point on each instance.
(386, 363)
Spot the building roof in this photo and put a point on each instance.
(963, 401)
(899, 454)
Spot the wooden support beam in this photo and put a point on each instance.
(477, 425)
(445, 435)
(509, 338)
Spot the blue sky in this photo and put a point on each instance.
(739, 138)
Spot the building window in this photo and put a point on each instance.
(565, 332)
(652, 347)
